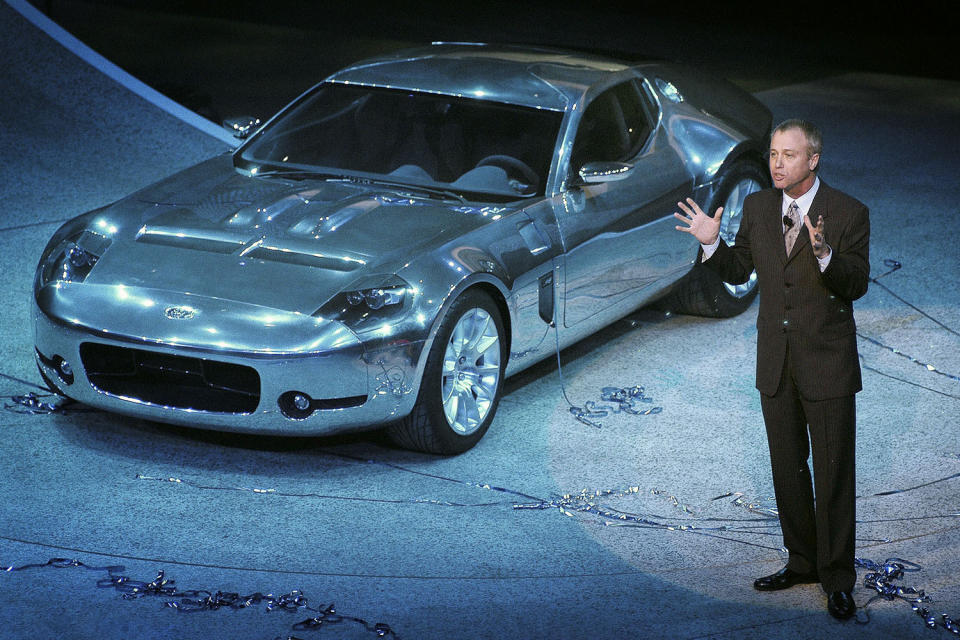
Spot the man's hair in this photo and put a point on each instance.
(810, 131)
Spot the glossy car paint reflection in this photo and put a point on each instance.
(235, 262)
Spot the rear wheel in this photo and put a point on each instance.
(701, 292)
(462, 380)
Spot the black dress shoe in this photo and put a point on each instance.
(840, 604)
(783, 579)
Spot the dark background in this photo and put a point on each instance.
(249, 57)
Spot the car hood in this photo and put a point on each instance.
(284, 244)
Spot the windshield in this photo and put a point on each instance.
(431, 140)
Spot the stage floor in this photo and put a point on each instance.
(441, 547)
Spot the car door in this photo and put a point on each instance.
(619, 235)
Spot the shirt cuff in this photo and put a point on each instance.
(825, 260)
(709, 249)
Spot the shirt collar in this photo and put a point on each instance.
(804, 201)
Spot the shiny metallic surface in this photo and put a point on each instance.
(243, 126)
(471, 371)
(730, 224)
(605, 171)
(332, 281)
(540, 78)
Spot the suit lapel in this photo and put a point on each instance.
(803, 239)
(772, 225)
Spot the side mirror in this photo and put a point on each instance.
(242, 127)
(594, 172)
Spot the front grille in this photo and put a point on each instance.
(171, 381)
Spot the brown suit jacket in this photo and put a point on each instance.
(800, 307)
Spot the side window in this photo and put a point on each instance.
(614, 126)
(637, 114)
(602, 135)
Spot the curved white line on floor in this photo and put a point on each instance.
(115, 73)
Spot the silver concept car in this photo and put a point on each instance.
(396, 241)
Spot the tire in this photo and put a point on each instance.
(462, 381)
(701, 292)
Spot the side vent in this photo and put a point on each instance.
(546, 298)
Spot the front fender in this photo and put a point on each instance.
(396, 354)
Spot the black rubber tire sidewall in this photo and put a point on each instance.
(702, 292)
(426, 428)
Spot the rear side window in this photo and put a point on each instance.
(615, 126)
(638, 114)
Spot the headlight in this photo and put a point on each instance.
(369, 302)
(70, 258)
(377, 298)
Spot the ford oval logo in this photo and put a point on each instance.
(179, 313)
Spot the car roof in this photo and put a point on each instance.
(538, 77)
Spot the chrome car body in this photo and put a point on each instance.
(253, 294)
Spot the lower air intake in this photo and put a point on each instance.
(171, 381)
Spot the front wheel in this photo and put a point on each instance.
(462, 380)
(701, 292)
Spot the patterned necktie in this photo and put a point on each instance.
(792, 229)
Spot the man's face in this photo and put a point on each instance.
(791, 165)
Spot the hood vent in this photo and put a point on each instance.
(320, 261)
(212, 241)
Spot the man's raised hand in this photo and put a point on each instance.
(698, 224)
(820, 247)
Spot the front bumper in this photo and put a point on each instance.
(352, 385)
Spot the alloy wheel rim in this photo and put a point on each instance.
(471, 371)
(730, 224)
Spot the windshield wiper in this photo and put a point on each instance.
(304, 174)
(404, 186)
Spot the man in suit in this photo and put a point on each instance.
(808, 369)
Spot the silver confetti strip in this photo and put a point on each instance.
(589, 502)
(883, 578)
(35, 404)
(929, 367)
(194, 600)
(919, 486)
(867, 367)
(620, 400)
(766, 507)
(888, 262)
(586, 502)
(320, 496)
(624, 400)
(43, 404)
(676, 502)
(895, 266)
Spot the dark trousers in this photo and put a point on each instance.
(818, 534)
